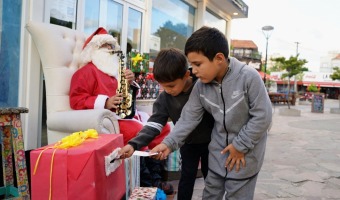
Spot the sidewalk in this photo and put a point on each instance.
(302, 160)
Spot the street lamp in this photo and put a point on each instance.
(267, 31)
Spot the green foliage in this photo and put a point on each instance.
(336, 74)
(292, 66)
(172, 35)
(275, 68)
(312, 88)
(268, 71)
(299, 76)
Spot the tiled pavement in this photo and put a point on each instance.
(302, 160)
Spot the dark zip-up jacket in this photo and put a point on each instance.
(165, 107)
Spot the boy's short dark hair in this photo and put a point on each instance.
(208, 41)
(170, 65)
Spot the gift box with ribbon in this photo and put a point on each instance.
(149, 87)
(90, 171)
(144, 193)
(138, 63)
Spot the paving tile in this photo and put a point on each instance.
(302, 157)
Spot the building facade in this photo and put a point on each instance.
(147, 25)
(330, 61)
(322, 80)
(246, 51)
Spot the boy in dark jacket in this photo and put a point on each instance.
(171, 71)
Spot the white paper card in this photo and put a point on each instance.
(143, 153)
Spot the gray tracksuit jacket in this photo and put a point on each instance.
(242, 111)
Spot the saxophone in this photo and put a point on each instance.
(125, 108)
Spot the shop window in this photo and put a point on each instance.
(117, 17)
(172, 24)
(238, 52)
(91, 21)
(248, 52)
(134, 29)
(213, 20)
(114, 19)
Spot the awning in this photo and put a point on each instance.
(262, 75)
(307, 83)
(322, 84)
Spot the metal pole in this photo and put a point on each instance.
(265, 64)
(267, 32)
(297, 47)
(297, 53)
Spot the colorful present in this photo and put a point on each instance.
(138, 63)
(144, 193)
(90, 171)
(173, 162)
(132, 174)
(149, 88)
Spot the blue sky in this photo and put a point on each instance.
(315, 24)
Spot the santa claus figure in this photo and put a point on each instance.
(95, 83)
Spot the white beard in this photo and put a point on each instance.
(106, 62)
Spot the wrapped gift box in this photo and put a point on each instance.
(149, 88)
(132, 174)
(138, 63)
(79, 172)
(144, 193)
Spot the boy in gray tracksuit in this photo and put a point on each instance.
(235, 95)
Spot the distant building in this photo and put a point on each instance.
(320, 79)
(330, 61)
(271, 63)
(246, 51)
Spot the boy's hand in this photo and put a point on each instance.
(162, 150)
(126, 151)
(235, 158)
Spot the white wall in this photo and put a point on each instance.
(30, 86)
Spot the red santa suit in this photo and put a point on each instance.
(91, 87)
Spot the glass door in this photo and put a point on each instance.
(134, 29)
(119, 17)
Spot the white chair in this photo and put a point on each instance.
(59, 48)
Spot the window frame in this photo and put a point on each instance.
(134, 4)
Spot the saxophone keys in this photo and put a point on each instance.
(122, 115)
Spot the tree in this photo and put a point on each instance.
(292, 66)
(336, 74)
(173, 35)
(313, 88)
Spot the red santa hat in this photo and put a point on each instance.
(99, 31)
(94, 42)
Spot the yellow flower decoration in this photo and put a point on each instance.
(75, 139)
(136, 59)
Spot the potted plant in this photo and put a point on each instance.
(313, 88)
